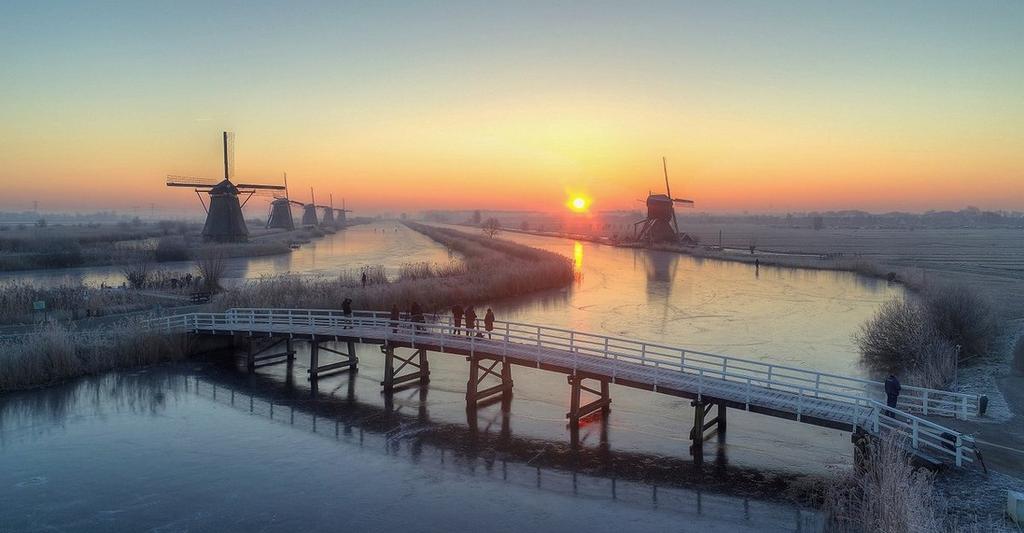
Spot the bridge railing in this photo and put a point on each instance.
(711, 373)
(928, 402)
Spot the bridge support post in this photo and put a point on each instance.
(479, 369)
(349, 361)
(701, 426)
(577, 411)
(393, 377)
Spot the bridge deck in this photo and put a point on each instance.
(786, 392)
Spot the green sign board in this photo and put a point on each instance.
(38, 305)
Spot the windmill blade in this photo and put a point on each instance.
(668, 192)
(190, 181)
(684, 202)
(260, 186)
(257, 192)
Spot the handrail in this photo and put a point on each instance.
(727, 379)
(918, 399)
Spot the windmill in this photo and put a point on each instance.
(309, 217)
(661, 224)
(328, 219)
(280, 216)
(342, 218)
(224, 219)
(330, 211)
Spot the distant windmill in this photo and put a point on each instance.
(309, 217)
(224, 219)
(330, 211)
(661, 224)
(281, 210)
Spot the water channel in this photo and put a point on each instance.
(201, 445)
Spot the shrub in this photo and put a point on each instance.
(901, 339)
(962, 317)
(211, 267)
(137, 273)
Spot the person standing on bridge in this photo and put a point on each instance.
(364, 279)
(457, 317)
(346, 309)
(395, 317)
(416, 313)
(489, 322)
(892, 391)
(470, 320)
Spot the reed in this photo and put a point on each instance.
(887, 494)
(490, 269)
(56, 352)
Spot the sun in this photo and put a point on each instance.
(578, 204)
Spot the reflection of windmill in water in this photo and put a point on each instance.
(661, 224)
(660, 273)
(224, 219)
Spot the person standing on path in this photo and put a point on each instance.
(892, 391)
(416, 313)
(364, 279)
(489, 322)
(470, 320)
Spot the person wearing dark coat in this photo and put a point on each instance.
(892, 391)
(470, 320)
(489, 322)
(416, 314)
(346, 310)
(457, 317)
(395, 317)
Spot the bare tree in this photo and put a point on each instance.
(211, 266)
(491, 227)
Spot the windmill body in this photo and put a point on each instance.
(281, 215)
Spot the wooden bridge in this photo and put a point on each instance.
(592, 362)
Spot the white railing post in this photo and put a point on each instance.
(700, 384)
(725, 367)
(959, 452)
(606, 348)
(682, 359)
(799, 404)
(817, 385)
(963, 408)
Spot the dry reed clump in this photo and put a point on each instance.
(491, 271)
(923, 336)
(55, 353)
(211, 267)
(65, 301)
(888, 494)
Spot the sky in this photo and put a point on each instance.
(396, 106)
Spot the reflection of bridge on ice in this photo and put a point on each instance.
(592, 362)
(486, 447)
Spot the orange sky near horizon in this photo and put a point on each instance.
(873, 107)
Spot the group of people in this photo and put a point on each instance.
(469, 314)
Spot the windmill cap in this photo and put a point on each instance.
(224, 187)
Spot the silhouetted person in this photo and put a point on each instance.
(416, 314)
(346, 307)
(364, 279)
(489, 322)
(892, 391)
(457, 317)
(470, 320)
(395, 317)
